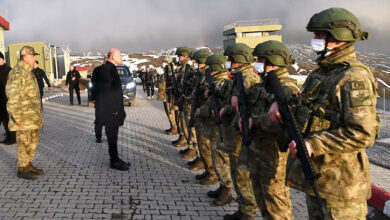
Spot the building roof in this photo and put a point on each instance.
(81, 68)
(4, 23)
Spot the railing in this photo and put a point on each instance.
(382, 100)
(252, 23)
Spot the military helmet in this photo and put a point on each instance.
(183, 51)
(167, 59)
(201, 55)
(275, 52)
(228, 50)
(339, 22)
(241, 53)
(192, 54)
(216, 62)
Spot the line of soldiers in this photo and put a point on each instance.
(251, 127)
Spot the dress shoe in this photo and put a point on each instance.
(125, 163)
(98, 140)
(35, 170)
(5, 140)
(189, 155)
(211, 179)
(184, 151)
(197, 166)
(215, 193)
(117, 165)
(202, 176)
(25, 173)
(10, 142)
(193, 161)
(225, 197)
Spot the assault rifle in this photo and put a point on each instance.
(167, 84)
(213, 98)
(242, 111)
(292, 128)
(174, 83)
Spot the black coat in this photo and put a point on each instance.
(70, 75)
(109, 97)
(41, 75)
(94, 79)
(4, 71)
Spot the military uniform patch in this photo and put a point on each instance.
(360, 95)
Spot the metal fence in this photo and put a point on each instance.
(383, 100)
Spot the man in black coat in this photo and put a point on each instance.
(40, 75)
(110, 111)
(150, 79)
(94, 80)
(72, 79)
(4, 70)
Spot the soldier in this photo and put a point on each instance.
(4, 71)
(241, 58)
(25, 112)
(267, 163)
(150, 79)
(162, 96)
(201, 126)
(73, 80)
(220, 159)
(337, 108)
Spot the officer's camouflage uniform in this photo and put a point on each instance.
(341, 97)
(24, 106)
(233, 143)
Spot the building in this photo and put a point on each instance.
(252, 32)
(83, 71)
(4, 26)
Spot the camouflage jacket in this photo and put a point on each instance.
(232, 138)
(24, 100)
(265, 133)
(162, 81)
(340, 96)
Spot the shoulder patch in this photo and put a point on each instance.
(360, 94)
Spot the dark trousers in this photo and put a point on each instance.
(77, 88)
(150, 89)
(9, 134)
(98, 131)
(112, 139)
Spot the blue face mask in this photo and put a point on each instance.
(228, 64)
(318, 45)
(196, 65)
(259, 67)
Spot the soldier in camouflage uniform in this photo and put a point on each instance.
(204, 160)
(162, 96)
(339, 101)
(25, 112)
(241, 58)
(267, 163)
(220, 159)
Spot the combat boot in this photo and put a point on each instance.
(35, 170)
(184, 151)
(189, 155)
(171, 131)
(215, 193)
(178, 139)
(192, 162)
(25, 173)
(197, 166)
(224, 198)
(202, 176)
(247, 217)
(236, 216)
(181, 143)
(209, 180)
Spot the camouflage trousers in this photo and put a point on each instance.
(243, 187)
(268, 175)
(171, 116)
(336, 210)
(221, 165)
(27, 144)
(183, 120)
(204, 148)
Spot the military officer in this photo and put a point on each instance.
(25, 112)
(337, 110)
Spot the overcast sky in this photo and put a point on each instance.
(144, 25)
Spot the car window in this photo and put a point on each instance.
(123, 72)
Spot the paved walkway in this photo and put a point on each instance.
(78, 183)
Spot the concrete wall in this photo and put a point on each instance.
(252, 41)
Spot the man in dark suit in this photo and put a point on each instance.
(73, 79)
(94, 79)
(110, 111)
(4, 70)
(40, 75)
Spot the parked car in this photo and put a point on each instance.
(129, 87)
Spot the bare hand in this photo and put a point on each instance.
(73, 78)
(274, 113)
(250, 121)
(20, 124)
(221, 112)
(293, 149)
(49, 88)
(234, 103)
